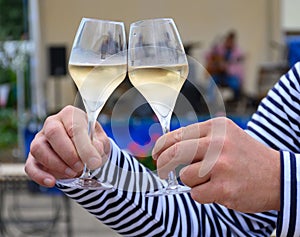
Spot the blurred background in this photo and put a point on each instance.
(35, 41)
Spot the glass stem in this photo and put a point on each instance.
(91, 129)
(165, 124)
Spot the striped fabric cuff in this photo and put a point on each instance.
(288, 223)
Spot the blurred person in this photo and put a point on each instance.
(225, 63)
(108, 45)
(251, 188)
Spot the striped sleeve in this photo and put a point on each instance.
(289, 220)
(277, 124)
(128, 211)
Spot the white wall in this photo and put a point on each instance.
(290, 15)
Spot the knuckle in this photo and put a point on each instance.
(227, 192)
(71, 131)
(220, 122)
(174, 150)
(50, 132)
(220, 141)
(206, 142)
(85, 152)
(221, 166)
(35, 146)
(178, 135)
(76, 128)
(68, 109)
(100, 147)
(50, 128)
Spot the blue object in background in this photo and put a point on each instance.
(144, 132)
(137, 136)
(293, 46)
(140, 130)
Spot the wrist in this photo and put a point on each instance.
(275, 176)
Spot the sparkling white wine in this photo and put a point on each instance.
(97, 82)
(160, 85)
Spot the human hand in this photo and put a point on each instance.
(63, 145)
(225, 165)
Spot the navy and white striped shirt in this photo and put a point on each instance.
(277, 124)
(126, 209)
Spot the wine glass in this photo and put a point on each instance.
(97, 64)
(158, 68)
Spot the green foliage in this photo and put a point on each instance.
(148, 162)
(12, 19)
(13, 27)
(7, 75)
(8, 128)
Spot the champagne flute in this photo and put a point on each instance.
(97, 64)
(158, 68)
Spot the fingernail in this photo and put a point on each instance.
(70, 172)
(154, 154)
(78, 166)
(94, 162)
(182, 170)
(47, 182)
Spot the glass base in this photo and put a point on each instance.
(84, 183)
(169, 191)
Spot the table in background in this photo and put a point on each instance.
(13, 180)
